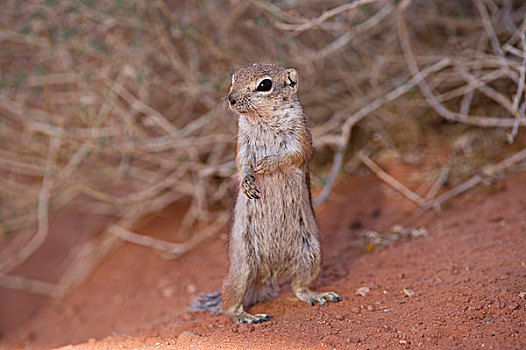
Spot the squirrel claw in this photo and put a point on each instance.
(314, 298)
(265, 165)
(252, 319)
(249, 188)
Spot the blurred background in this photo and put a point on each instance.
(113, 110)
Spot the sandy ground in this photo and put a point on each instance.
(461, 286)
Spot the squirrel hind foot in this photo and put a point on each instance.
(314, 298)
(246, 318)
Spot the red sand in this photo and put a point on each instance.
(468, 277)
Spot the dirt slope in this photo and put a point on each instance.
(464, 284)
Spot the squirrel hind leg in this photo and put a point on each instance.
(236, 298)
(210, 302)
(260, 292)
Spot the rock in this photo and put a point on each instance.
(191, 288)
(409, 292)
(514, 305)
(363, 291)
(168, 292)
(370, 307)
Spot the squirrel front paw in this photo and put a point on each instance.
(266, 165)
(249, 187)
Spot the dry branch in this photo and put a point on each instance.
(487, 171)
(390, 180)
(313, 23)
(430, 96)
(170, 249)
(27, 285)
(88, 256)
(8, 263)
(342, 140)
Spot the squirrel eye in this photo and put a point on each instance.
(264, 85)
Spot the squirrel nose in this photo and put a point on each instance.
(232, 99)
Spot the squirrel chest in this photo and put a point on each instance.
(279, 226)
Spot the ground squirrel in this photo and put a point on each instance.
(273, 231)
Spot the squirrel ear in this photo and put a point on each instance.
(291, 78)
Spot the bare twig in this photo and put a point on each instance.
(494, 95)
(487, 171)
(520, 87)
(342, 140)
(298, 28)
(344, 39)
(522, 72)
(172, 249)
(9, 263)
(86, 259)
(335, 169)
(431, 98)
(27, 285)
(140, 106)
(440, 181)
(468, 96)
(277, 11)
(390, 180)
(486, 21)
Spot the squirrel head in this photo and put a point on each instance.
(262, 89)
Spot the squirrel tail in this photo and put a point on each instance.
(211, 302)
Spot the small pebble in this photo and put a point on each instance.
(363, 291)
(191, 288)
(168, 292)
(339, 317)
(514, 305)
(409, 292)
(356, 310)
(370, 307)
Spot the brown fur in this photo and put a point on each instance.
(274, 232)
